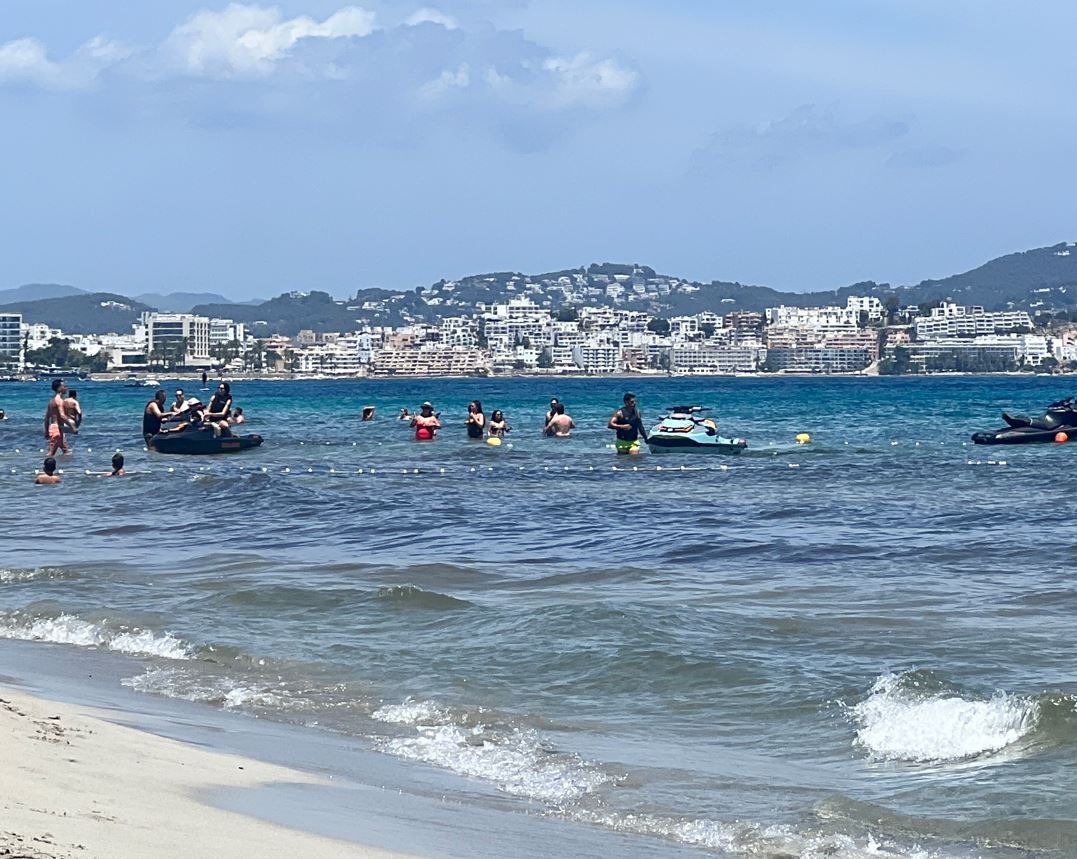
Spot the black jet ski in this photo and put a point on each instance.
(202, 442)
(1021, 429)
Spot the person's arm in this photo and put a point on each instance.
(617, 422)
(642, 428)
(571, 424)
(223, 413)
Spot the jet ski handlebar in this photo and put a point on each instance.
(1066, 403)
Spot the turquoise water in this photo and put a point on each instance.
(859, 647)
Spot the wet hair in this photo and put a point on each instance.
(628, 397)
(73, 394)
(56, 383)
(477, 405)
(49, 464)
(559, 409)
(238, 411)
(117, 461)
(497, 412)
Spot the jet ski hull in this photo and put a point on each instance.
(708, 444)
(203, 443)
(1022, 435)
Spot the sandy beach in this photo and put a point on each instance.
(76, 785)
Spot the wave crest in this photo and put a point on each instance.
(69, 629)
(901, 722)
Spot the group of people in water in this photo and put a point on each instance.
(190, 414)
(626, 422)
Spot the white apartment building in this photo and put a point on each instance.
(597, 357)
(713, 358)
(11, 339)
(430, 362)
(868, 304)
(811, 317)
(163, 330)
(225, 331)
(509, 325)
(955, 320)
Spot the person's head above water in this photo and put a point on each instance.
(117, 461)
(497, 415)
(179, 393)
(49, 465)
(427, 406)
(630, 399)
(475, 406)
(73, 394)
(224, 388)
(58, 386)
(159, 395)
(558, 409)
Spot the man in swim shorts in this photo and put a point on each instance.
(56, 420)
(627, 422)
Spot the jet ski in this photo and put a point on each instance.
(202, 442)
(685, 428)
(1021, 429)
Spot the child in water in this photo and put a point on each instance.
(117, 466)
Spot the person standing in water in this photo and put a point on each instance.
(627, 422)
(73, 409)
(152, 416)
(498, 425)
(205, 380)
(476, 420)
(426, 423)
(554, 403)
(56, 420)
(560, 425)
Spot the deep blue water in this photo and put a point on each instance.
(862, 644)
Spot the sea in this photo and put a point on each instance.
(862, 646)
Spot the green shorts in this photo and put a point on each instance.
(627, 446)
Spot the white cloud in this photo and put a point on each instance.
(448, 81)
(248, 41)
(585, 82)
(426, 15)
(26, 61)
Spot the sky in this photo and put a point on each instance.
(251, 149)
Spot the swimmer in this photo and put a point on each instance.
(560, 425)
(476, 420)
(117, 466)
(237, 417)
(426, 423)
(403, 416)
(50, 476)
(498, 425)
(627, 422)
(3, 417)
(368, 413)
(56, 420)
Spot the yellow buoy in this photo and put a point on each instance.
(803, 438)
(493, 441)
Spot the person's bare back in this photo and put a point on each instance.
(561, 426)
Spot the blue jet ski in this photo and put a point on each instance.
(685, 428)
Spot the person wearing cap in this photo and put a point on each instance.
(627, 422)
(426, 423)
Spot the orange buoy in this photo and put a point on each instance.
(1061, 437)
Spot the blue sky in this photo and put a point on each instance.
(250, 149)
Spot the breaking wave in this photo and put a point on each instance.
(901, 721)
(69, 629)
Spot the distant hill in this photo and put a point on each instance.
(180, 302)
(37, 291)
(85, 313)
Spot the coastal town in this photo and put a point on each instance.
(576, 322)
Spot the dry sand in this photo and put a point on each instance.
(75, 786)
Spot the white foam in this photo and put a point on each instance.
(223, 691)
(409, 713)
(9, 576)
(517, 762)
(69, 629)
(897, 724)
(744, 838)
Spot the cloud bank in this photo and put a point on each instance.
(346, 65)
